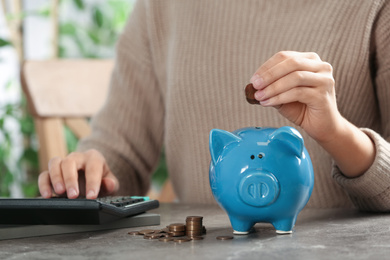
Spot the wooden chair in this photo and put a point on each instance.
(66, 93)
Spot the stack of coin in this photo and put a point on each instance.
(177, 229)
(176, 232)
(194, 226)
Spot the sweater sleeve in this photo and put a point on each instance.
(371, 191)
(128, 130)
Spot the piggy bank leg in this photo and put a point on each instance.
(284, 226)
(240, 227)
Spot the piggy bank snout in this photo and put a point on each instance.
(259, 188)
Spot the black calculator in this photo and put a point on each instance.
(60, 211)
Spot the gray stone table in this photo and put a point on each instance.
(318, 234)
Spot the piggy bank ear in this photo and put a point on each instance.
(290, 138)
(218, 140)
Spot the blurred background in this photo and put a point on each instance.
(47, 29)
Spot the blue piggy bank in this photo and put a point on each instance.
(260, 175)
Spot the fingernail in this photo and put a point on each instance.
(91, 194)
(72, 193)
(46, 194)
(264, 102)
(259, 94)
(59, 188)
(257, 81)
(254, 78)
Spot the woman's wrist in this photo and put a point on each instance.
(353, 151)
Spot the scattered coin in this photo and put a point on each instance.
(224, 237)
(159, 231)
(134, 233)
(177, 233)
(146, 231)
(152, 236)
(166, 239)
(250, 94)
(166, 235)
(196, 238)
(146, 236)
(181, 239)
(194, 233)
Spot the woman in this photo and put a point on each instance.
(180, 71)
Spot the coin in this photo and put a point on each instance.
(158, 231)
(152, 236)
(194, 226)
(157, 235)
(194, 218)
(250, 94)
(224, 237)
(177, 227)
(165, 230)
(167, 235)
(177, 233)
(194, 233)
(146, 231)
(196, 238)
(166, 239)
(181, 240)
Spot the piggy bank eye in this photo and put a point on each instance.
(252, 157)
(261, 155)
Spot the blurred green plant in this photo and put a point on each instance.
(96, 38)
(101, 25)
(6, 176)
(11, 171)
(12, 113)
(91, 31)
(4, 42)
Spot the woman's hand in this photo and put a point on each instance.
(301, 86)
(78, 174)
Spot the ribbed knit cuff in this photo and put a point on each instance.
(112, 160)
(374, 184)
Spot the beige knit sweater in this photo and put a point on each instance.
(181, 69)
